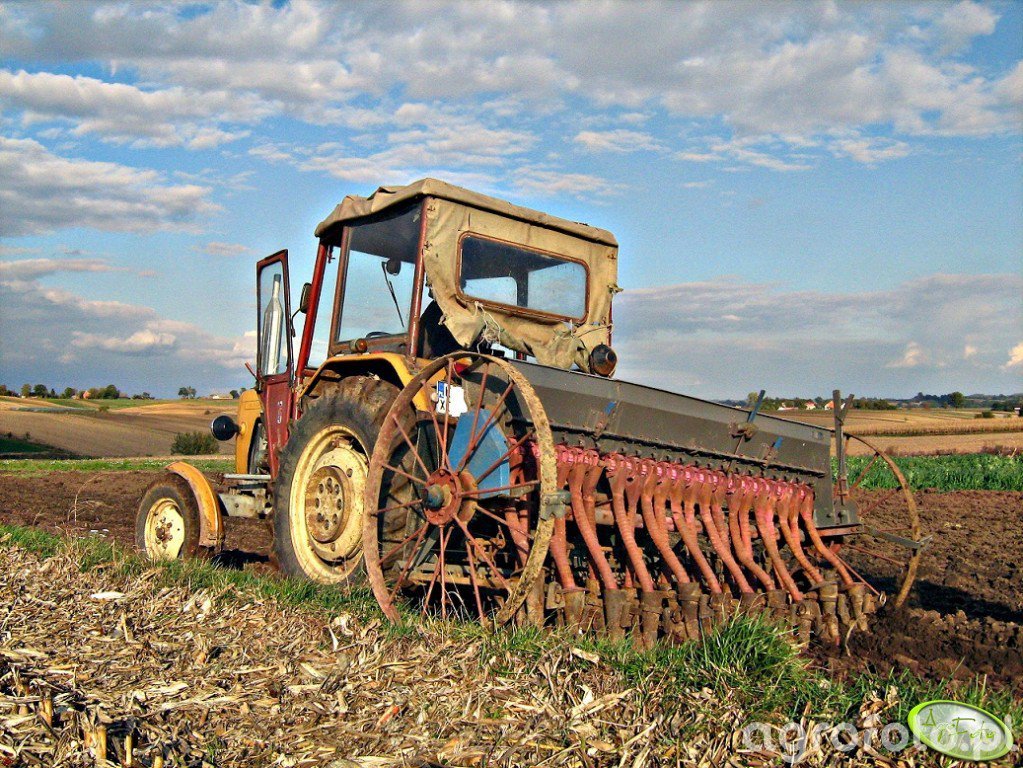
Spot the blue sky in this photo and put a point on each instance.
(807, 196)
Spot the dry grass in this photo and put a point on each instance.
(108, 662)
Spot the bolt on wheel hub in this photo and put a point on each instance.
(441, 497)
(165, 531)
(325, 509)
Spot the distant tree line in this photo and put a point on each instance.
(1006, 403)
(109, 392)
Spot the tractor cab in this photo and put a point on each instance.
(427, 268)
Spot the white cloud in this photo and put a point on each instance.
(771, 152)
(215, 248)
(619, 140)
(1015, 357)
(544, 182)
(740, 335)
(125, 113)
(41, 192)
(870, 151)
(962, 22)
(735, 70)
(144, 342)
(77, 341)
(428, 143)
(30, 269)
(913, 356)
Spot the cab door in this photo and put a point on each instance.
(274, 367)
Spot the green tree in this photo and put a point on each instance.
(40, 390)
(69, 392)
(956, 399)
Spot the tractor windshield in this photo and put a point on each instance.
(378, 279)
(512, 276)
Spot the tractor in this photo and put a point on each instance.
(448, 428)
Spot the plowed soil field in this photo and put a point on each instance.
(965, 615)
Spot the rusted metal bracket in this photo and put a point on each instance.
(604, 418)
(916, 546)
(555, 505)
(840, 409)
(745, 431)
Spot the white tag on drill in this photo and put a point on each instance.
(452, 403)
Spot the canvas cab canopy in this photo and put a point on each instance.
(502, 273)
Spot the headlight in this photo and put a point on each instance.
(223, 428)
(603, 360)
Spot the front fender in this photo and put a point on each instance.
(211, 523)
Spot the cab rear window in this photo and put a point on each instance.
(496, 272)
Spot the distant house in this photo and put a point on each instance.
(810, 405)
(220, 396)
(829, 406)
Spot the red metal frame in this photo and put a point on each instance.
(316, 285)
(275, 391)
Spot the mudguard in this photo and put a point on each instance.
(211, 523)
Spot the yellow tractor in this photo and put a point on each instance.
(449, 428)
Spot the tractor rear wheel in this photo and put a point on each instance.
(167, 523)
(318, 494)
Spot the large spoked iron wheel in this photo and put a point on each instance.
(885, 552)
(460, 507)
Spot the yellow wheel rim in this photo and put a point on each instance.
(326, 503)
(165, 530)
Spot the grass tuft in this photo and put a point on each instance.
(35, 540)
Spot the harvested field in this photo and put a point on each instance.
(147, 430)
(965, 617)
(107, 662)
(929, 444)
(922, 431)
(916, 420)
(103, 504)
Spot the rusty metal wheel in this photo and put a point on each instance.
(885, 548)
(460, 508)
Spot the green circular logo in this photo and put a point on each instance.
(960, 730)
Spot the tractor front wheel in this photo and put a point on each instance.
(318, 495)
(167, 523)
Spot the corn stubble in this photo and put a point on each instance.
(112, 666)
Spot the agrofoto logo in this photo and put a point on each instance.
(960, 730)
(957, 730)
